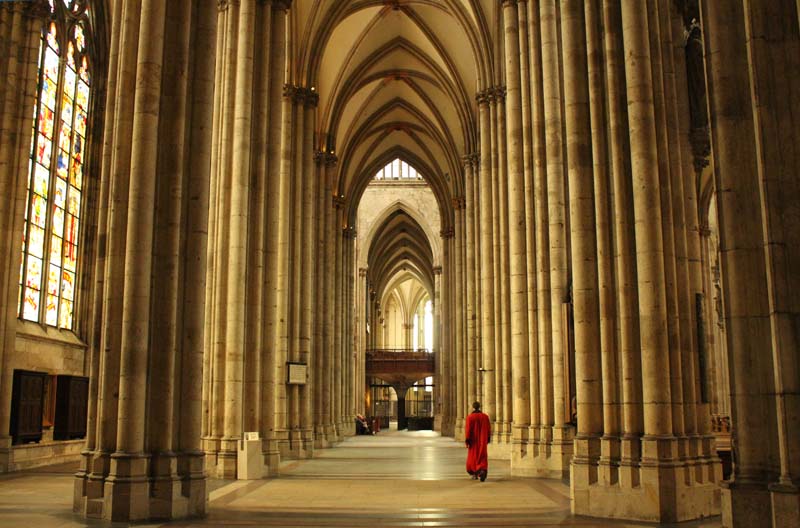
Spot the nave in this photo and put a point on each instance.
(393, 479)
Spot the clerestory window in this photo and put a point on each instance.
(56, 169)
(398, 170)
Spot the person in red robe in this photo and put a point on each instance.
(477, 434)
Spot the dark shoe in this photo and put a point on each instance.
(482, 475)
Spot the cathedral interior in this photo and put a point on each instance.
(231, 228)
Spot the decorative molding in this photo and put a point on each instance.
(338, 202)
(459, 202)
(482, 97)
(437, 270)
(319, 157)
(349, 233)
(448, 233)
(362, 272)
(331, 159)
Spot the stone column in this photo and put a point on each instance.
(271, 404)
(526, 76)
(468, 366)
(558, 242)
(517, 236)
(647, 211)
(307, 341)
(439, 379)
(605, 247)
(625, 263)
(584, 247)
(486, 391)
(456, 317)
(544, 326)
(503, 356)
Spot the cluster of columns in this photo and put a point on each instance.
(143, 456)
(584, 263)
(280, 283)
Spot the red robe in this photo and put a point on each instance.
(477, 432)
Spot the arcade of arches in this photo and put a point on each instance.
(599, 199)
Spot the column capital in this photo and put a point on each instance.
(459, 202)
(471, 159)
(331, 159)
(499, 93)
(338, 202)
(509, 3)
(447, 233)
(362, 272)
(349, 232)
(319, 157)
(437, 270)
(482, 97)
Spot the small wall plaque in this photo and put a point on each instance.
(251, 435)
(296, 373)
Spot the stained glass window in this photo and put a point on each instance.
(51, 238)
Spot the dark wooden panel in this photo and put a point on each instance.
(71, 405)
(27, 405)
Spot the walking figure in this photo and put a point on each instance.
(477, 434)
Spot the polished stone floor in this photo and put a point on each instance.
(389, 480)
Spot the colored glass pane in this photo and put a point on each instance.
(71, 235)
(49, 93)
(74, 201)
(82, 97)
(51, 64)
(58, 221)
(80, 122)
(63, 139)
(65, 319)
(43, 151)
(41, 180)
(80, 38)
(55, 249)
(67, 285)
(38, 210)
(51, 315)
(36, 242)
(30, 307)
(61, 193)
(46, 118)
(53, 279)
(66, 110)
(71, 61)
(85, 70)
(70, 257)
(76, 174)
(62, 164)
(33, 278)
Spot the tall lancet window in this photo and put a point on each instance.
(56, 170)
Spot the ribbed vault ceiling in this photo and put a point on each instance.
(396, 79)
(399, 249)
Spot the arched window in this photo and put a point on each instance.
(398, 170)
(56, 179)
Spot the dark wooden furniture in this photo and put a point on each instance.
(72, 394)
(27, 404)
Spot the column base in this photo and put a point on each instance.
(652, 489)
(130, 487)
(785, 505)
